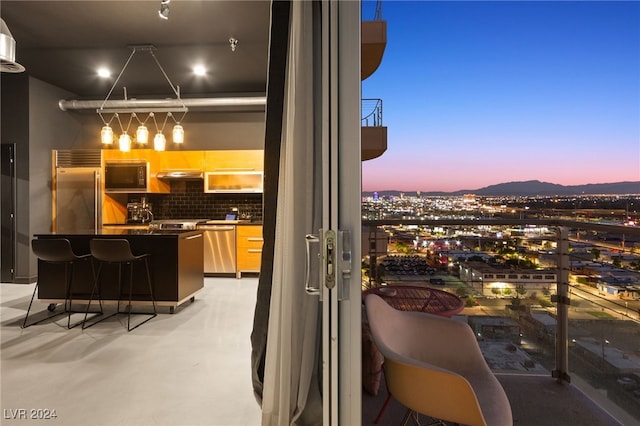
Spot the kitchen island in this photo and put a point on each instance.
(176, 266)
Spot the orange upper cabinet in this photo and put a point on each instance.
(239, 160)
(204, 161)
(373, 43)
(179, 160)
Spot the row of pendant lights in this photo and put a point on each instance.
(107, 135)
(142, 133)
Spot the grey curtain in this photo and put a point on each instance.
(287, 364)
(278, 47)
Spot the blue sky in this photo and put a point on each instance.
(478, 93)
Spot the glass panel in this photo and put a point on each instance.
(513, 312)
(604, 318)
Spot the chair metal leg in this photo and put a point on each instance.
(69, 297)
(96, 286)
(119, 286)
(129, 310)
(68, 268)
(384, 407)
(24, 323)
(411, 414)
(153, 302)
(407, 416)
(130, 293)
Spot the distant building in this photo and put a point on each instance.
(374, 242)
(609, 279)
(499, 329)
(457, 255)
(501, 280)
(617, 286)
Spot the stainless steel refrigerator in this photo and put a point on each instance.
(77, 200)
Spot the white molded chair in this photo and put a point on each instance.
(434, 366)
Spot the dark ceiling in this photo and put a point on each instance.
(64, 42)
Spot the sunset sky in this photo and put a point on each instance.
(479, 93)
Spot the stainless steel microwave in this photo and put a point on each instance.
(126, 176)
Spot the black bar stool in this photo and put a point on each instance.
(59, 251)
(118, 252)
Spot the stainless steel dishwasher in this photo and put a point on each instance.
(219, 248)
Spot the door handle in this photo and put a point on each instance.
(334, 257)
(312, 288)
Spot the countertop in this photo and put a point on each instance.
(125, 231)
(208, 222)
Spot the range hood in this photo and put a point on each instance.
(180, 174)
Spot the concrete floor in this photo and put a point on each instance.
(187, 368)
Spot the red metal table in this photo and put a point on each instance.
(420, 299)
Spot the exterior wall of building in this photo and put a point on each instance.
(494, 281)
(498, 329)
(374, 242)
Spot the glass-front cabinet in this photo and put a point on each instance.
(234, 181)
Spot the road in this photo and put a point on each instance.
(585, 297)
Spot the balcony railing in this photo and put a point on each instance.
(371, 113)
(586, 334)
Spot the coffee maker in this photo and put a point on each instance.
(139, 211)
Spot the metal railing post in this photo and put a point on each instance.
(562, 303)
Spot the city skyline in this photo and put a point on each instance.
(481, 93)
(536, 188)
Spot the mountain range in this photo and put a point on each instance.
(535, 188)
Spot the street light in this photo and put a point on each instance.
(603, 354)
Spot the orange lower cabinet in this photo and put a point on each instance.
(248, 248)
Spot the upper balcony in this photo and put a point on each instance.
(373, 43)
(373, 133)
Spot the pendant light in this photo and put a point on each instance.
(142, 132)
(124, 142)
(178, 130)
(106, 135)
(159, 142)
(178, 134)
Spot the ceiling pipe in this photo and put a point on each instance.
(252, 103)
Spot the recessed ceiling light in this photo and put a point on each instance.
(164, 9)
(199, 70)
(104, 72)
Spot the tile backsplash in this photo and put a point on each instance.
(188, 200)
